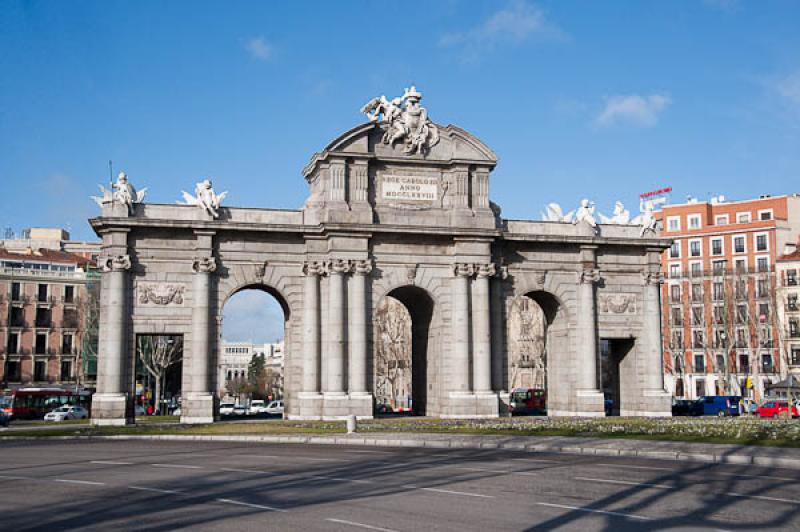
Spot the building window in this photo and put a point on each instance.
(41, 293)
(694, 221)
(738, 244)
(791, 277)
(696, 269)
(716, 246)
(675, 250)
(677, 316)
(741, 289)
(43, 316)
(720, 339)
(718, 291)
(721, 219)
(66, 344)
(741, 265)
(720, 363)
(794, 328)
(66, 370)
(744, 363)
(718, 267)
(762, 264)
(742, 217)
(16, 292)
(13, 344)
(697, 293)
(677, 340)
(673, 223)
(761, 242)
(766, 363)
(697, 315)
(791, 302)
(675, 293)
(765, 215)
(762, 288)
(763, 312)
(14, 371)
(699, 387)
(700, 363)
(40, 347)
(17, 317)
(674, 271)
(69, 294)
(794, 359)
(741, 338)
(695, 249)
(741, 314)
(698, 339)
(40, 370)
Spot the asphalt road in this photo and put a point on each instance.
(127, 485)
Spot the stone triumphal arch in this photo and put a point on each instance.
(398, 207)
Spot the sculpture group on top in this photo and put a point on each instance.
(406, 119)
(585, 214)
(121, 192)
(205, 198)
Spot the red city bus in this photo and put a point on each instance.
(34, 403)
(527, 402)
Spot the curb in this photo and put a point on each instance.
(442, 443)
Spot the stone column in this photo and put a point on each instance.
(587, 333)
(334, 357)
(311, 330)
(459, 344)
(481, 330)
(651, 321)
(109, 404)
(357, 329)
(198, 404)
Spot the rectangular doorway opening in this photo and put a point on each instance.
(617, 371)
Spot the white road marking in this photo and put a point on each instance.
(541, 460)
(370, 452)
(449, 492)
(482, 469)
(249, 505)
(641, 467)
(179, 466)
(360, 525)
(762, 498)
(108, 462)
(8, 477)
(605, 512)
(271, 457)
(255, 471)
(339, 479)
(768, 477)
(156, 490)
(626, 483)
(87, 482)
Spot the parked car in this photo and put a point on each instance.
(4, 419)
(139, 411)
(239, 410)
(527, 402)
(384, 408)
(748, 406)
(67, 412)
(718, 405)
(226, 409)
(177, 412)
(686, 407)
(275, 408)
(257, 406)
(774, 408)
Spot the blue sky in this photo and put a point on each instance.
(579, 99)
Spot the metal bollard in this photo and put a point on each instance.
(351, 424)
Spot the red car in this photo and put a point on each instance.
(774, 408)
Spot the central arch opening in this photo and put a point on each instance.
(402, 324)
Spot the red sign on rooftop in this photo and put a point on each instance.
(665, 190)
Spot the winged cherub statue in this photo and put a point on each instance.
(205, 198)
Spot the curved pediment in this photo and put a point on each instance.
(455, 145)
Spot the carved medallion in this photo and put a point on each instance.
(618, 304)
(160, 294)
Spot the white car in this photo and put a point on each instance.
(257, 406)
(275, 408)
(226, 409)
(67, 412)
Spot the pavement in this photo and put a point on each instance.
(216, 485)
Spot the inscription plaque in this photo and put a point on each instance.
(410, 188)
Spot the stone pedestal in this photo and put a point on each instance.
(197, 407)
(110, 409)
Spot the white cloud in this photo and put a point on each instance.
(252, 316)
(633, 109)
(788, 88)
(514, 24)
(259, 48)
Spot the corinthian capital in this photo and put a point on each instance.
(591, 275)
(363, 267)
(204, 264)
(116, 263)
(313, 268)
(649, 278)
(486, 270)
(339, 266)
(463, 269)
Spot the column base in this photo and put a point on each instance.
(652, 403)
(338, 405)
(309, 407)
(468, 405)
(590, 403)
(197, 408)
(111, 409)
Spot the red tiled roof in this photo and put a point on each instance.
(44, 255)
(795, 255)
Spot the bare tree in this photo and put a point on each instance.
(158, 353)
(393, 353)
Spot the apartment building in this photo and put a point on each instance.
(788, 303)
(45, 296)
(721, 327)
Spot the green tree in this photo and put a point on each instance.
(256, 368)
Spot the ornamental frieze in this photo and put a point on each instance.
(618, 304)
(160, 294)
